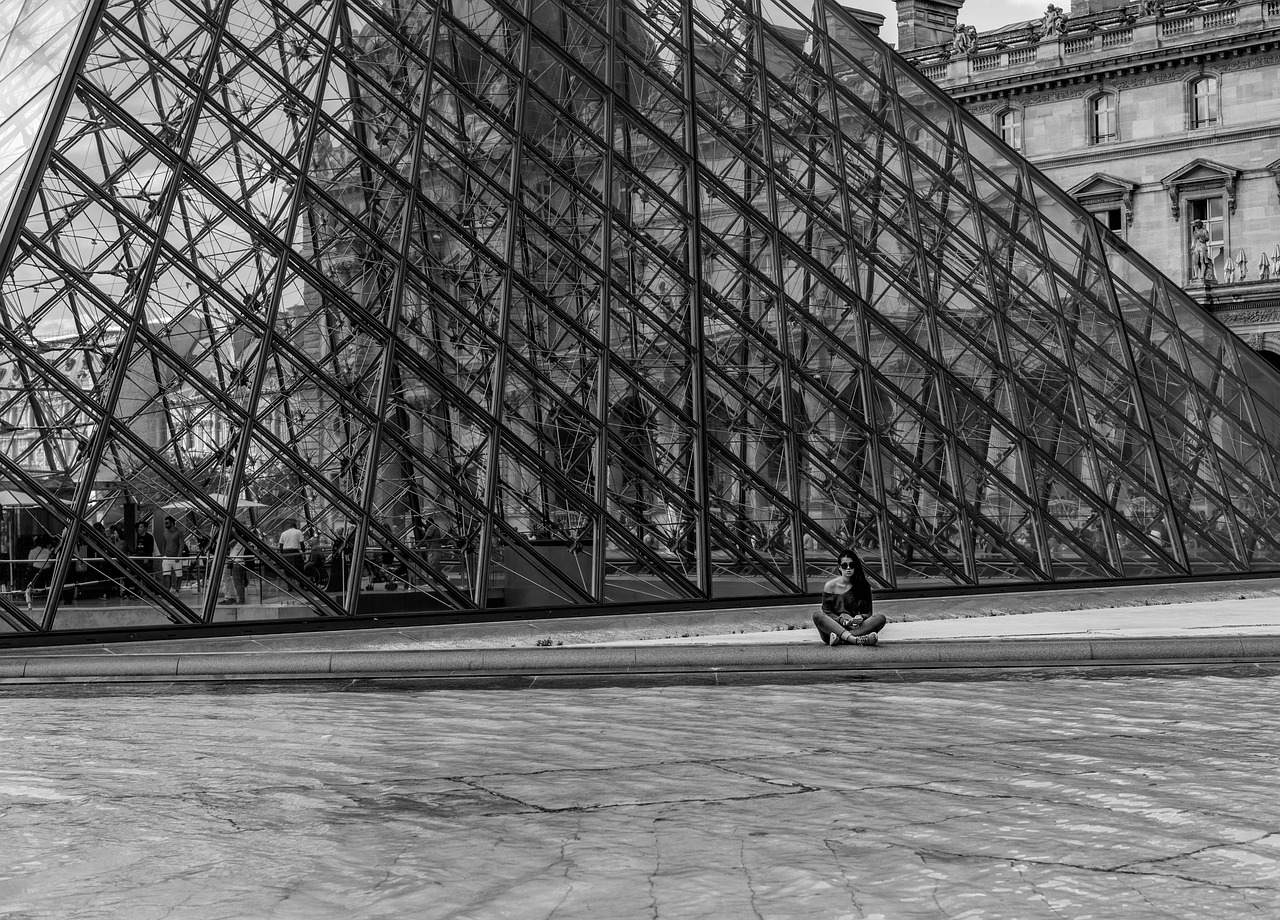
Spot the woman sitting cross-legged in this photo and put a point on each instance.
(846, 606)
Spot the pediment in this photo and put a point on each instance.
(1101, 185)
(1200, 175)
(1201, 170)
(1100, 189)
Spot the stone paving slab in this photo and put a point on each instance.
(1127, 798)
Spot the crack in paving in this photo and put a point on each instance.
(927, 852)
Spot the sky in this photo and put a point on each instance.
(984, 15)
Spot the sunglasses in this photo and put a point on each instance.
(848, 565)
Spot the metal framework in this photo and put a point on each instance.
(576, 302)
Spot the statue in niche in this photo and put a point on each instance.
(1053, 23)
(964, 40)
(1201, 266)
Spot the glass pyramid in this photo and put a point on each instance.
(568, 304)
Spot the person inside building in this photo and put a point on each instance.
(40, 559)
(293, 546)
(846, 615)
(146, 548)
(195, 549)
(115, 536)
(170, 547)
(235, 577)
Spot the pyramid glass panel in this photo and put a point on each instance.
(351, 308)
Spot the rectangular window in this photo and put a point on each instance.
(1210, 211)
(1104, 119)
(1112, 219)
(1011, 129)
(1208, 243)
(1204, 103)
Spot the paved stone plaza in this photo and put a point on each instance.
(1129, 797)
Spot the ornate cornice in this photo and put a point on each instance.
(1247, 305)
(1081, 85)
(1122, 71)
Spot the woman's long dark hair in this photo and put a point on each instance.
(859, 576)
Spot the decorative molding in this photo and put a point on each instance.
(1255, 317)
(1120, 74)
(1068, 94)
(1274, 169)
(1201, 175)
(1084, 84)
(1101, 189)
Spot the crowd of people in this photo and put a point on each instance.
(174, 559)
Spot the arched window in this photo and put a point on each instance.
(1102, 119)
(1204, 101)
(1009, 125)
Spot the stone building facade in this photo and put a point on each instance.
(1163, 119)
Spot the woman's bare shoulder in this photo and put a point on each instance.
(834, 587)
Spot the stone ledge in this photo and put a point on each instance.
(688, 660)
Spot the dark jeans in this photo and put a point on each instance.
(289, 580)
(827, 625)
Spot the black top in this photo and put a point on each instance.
(852, 603)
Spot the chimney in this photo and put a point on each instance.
(873, 21)
(1089, 7)
(923, 23)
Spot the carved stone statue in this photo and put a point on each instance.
(964, 40)
(1201, 267)
(1150, 7)
(1053, 23)
(1242, 265)
(1264, 268)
